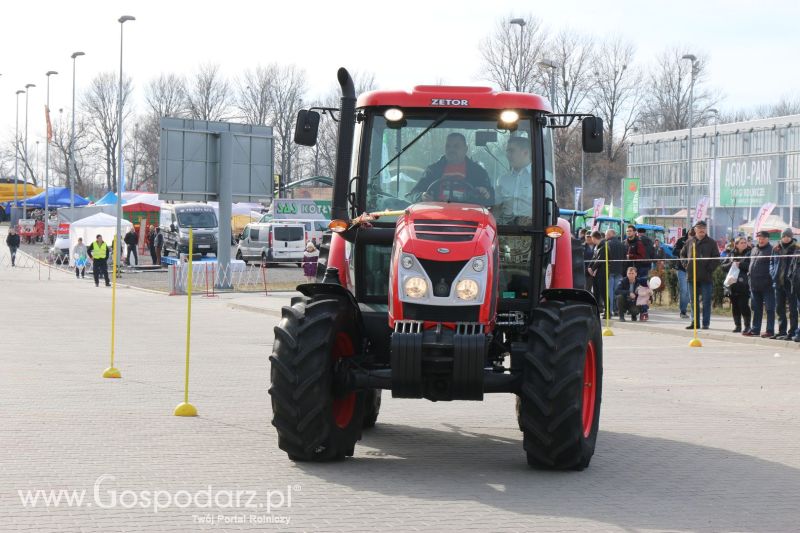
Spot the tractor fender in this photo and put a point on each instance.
(569, 295)
(316, 289)
(337, 257)
(562, 269)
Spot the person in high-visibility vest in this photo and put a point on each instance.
(99, 252)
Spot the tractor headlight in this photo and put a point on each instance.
(478, 263)
(467, 289)
(416, 287)
(407, 262)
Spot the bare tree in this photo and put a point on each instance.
(510, 55)
(166, 96)
(100, 104)
(208, 94)
(666, 105)
(62, 130)
(286, 98)
(574, 53)
(254, 96)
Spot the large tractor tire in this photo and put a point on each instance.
(314, 422)
(559, 407)
(372, 407)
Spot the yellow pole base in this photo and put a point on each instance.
(607, 332)
(185, 409)
(695, 343)
(111, 372)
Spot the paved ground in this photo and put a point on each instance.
(691, 439)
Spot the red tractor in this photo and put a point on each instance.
(447, 275)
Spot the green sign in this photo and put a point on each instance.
(748, 181)
(302, 209)
(630, 198)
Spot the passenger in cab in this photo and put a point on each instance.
(514, 190)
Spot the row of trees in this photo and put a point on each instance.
(607, 78)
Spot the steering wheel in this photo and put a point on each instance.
(471, 190)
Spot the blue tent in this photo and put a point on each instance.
(56, 197)
(108, 199)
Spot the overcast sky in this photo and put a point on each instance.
(752, 46)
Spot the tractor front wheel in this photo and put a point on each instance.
(314, 421)
(559, 405)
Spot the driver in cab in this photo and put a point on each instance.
(455, 177)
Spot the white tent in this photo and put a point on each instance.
(772, 223)
(90, 227)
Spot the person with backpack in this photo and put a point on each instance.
(782, 257)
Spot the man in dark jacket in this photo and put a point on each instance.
(649, 247)
(683, 282)
(625, 294)
(596, 269)
(762, 293)
(12, 241)
(453, 167)
(616, 266)
(635, 252)
(131, 240)
(782, 258)
(705, 250)
(151, 243)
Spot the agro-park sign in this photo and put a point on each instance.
(748, 181)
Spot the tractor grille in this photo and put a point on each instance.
(442, 274)
(445, 230)
(441, 313)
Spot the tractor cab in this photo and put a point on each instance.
(444, 276)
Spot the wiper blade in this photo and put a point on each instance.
(411, 143)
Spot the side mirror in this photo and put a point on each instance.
(592, 135)
(306, 127)
(482, 138)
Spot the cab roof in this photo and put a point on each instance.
(458, 97)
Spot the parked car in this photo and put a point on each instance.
(272, 242)
(59, 252)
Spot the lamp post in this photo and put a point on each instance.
(552, 65)
(713, 185)
(521, 23)
(693, 59)
(16, 150)
(72, 167)
(122, 20)
(27, 162)
(47, 162)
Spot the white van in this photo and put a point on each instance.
(176, 221)
(314, 227)
(287, 242)
(272, 242)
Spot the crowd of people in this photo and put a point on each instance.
(630, 262)
(760, 278)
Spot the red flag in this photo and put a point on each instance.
(49, 125)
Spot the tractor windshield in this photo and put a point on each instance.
(465, 160)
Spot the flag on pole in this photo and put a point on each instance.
(49, 124)
(763, 213)
(701, 210)
(598, 210)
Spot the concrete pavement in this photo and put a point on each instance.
(691, 439)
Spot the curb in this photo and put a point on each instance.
(707, 334)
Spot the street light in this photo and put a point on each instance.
(122, 20)
(521, 23)
(47, 162)
(72, 138)
(715, 174)
(693, 59)
(27, 162)
(553, 65)
(16, 151)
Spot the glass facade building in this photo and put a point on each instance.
(738, 166)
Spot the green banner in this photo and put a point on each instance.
(748, 181)
(302, 209)
(630, 198)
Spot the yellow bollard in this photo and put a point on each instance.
(607, 330)
(695, 342)
(185, 408)
(111, 371)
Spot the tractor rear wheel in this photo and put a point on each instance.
(315, 422)
(372, 407)
(559, 407)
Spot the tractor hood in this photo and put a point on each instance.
(446, 231)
